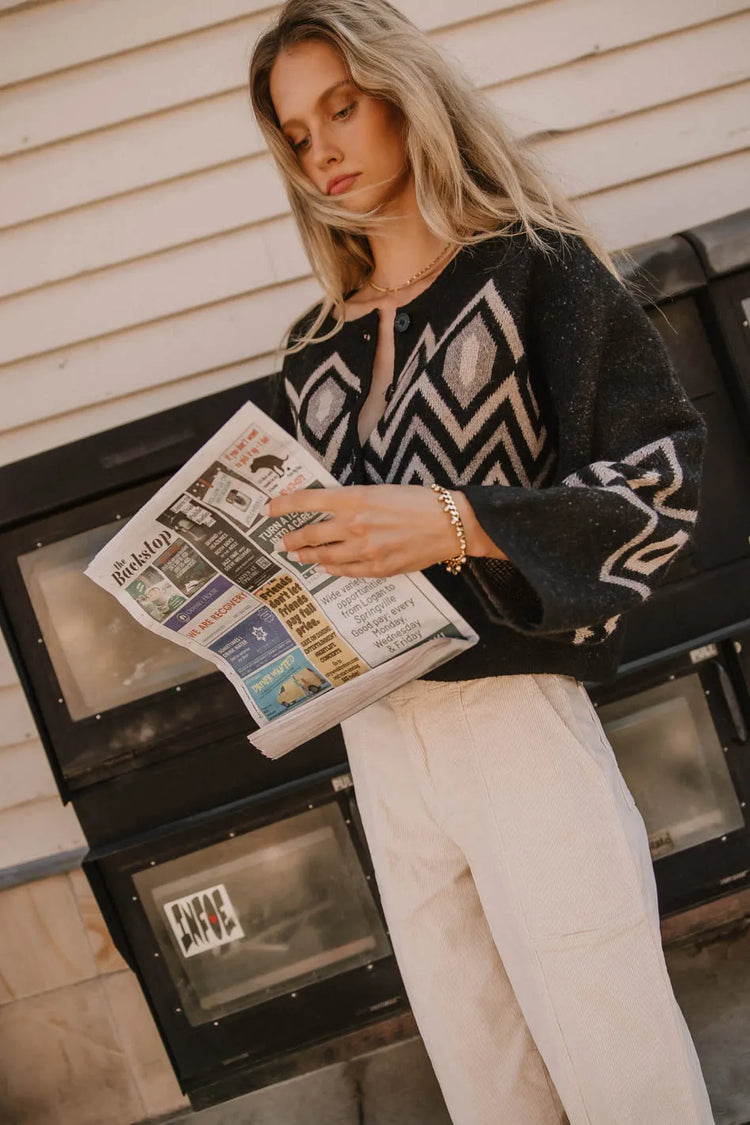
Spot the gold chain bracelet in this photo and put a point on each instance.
(453, 565)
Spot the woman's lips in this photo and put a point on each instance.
(343, 184)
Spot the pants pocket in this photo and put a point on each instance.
(563, 830)
(570, 701)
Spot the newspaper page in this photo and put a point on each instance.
(203, 565)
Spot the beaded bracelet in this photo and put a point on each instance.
(453, 565)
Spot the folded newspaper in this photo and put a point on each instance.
(202, 565)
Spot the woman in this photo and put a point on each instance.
(475, 337)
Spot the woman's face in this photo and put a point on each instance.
(336, 130)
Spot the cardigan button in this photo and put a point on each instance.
(402, 322)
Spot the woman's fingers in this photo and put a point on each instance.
(335, 552)
(313, 534)
(307, 500)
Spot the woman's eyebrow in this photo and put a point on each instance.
(318, 101)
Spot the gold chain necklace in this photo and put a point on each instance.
(395, 288)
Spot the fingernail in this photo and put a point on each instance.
(293, 556)
(265, 509)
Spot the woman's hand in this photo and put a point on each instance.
(378, 530)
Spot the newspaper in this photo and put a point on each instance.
(203, 565)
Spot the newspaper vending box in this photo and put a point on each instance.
(257, 935)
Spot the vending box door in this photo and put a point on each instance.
(255, 930)
(679, 729)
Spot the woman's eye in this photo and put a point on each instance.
(340, 116)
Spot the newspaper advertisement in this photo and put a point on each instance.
(202, 564)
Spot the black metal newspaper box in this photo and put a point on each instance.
(678, 723)
(238, 888)
(255, 930)
(723, 248)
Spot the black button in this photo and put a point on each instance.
(402, 322)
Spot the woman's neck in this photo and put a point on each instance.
(406, 247)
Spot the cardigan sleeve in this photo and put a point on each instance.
(600, 535)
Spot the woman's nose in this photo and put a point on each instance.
(325, 152)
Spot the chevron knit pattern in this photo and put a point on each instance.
(462, 429)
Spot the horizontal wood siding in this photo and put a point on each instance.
(147, 254)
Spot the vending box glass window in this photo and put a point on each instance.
(259, 915)
(101, 655)
(678, 725)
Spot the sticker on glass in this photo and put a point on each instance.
(203, 920)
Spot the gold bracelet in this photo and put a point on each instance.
(453, 565)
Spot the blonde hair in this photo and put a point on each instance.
(474, 179)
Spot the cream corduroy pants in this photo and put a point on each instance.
(517, 883)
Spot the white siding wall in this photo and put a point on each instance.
(147, 256)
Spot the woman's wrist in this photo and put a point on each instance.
(478, 542)
(455, 559)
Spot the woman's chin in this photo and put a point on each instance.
(357, 199)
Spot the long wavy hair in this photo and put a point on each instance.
(474, 179)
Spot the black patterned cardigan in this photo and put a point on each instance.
(535, 383)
